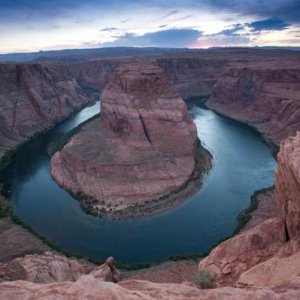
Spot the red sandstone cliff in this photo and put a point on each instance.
(143, 147)
(265, 95)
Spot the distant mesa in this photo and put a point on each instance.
(142, 156)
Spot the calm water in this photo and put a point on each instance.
(242, 164)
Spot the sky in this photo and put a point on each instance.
(34, 25)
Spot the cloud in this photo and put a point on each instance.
(125, 21)
(109, 29)
(171, 13)
(232, 31)
(220, 41)
(176, 38)
(288, 10)
(268, 24)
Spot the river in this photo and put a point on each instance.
(242, 164)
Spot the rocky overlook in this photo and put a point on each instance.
(141, 150)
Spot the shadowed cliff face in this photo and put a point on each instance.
(143, 147)
(34, 98)
(264, 95)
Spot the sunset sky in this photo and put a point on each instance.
(33, 25)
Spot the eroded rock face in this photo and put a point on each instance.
(142, 148)
(265, 95)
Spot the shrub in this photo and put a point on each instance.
(204, 279)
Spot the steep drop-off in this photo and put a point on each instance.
(268, 253)
(141, 152)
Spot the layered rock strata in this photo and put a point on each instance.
(261, 94)
(140, 153)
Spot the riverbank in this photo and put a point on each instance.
(201, 101)
(7, 157)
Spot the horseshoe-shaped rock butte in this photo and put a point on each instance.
(142, 154)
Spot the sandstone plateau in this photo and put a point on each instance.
(142, 151)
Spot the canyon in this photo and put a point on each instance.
(44, 88)
(262, 261)
(141, 156)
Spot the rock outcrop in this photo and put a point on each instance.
(140, 152)
(265, 95)
(44, 268)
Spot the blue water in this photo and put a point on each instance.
(242, 163)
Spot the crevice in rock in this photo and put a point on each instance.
(145, 130)
(287, 236)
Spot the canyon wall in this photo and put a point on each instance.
(265, 95)
(192, 76)
(35, 97)
(143, 147)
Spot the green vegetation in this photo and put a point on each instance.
(7, 157)
(204, 279)
(245, 215)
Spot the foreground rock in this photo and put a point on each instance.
(89, 287)
(141, 153)
(44, 268)
(262, 94)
